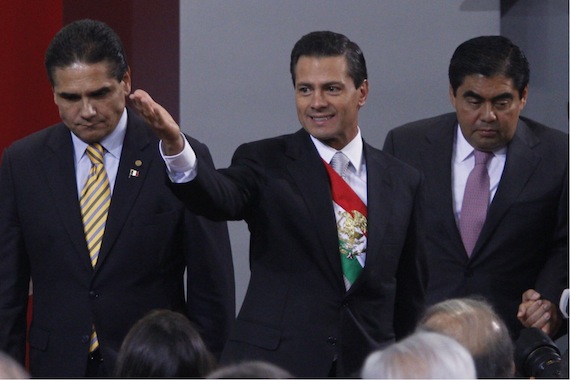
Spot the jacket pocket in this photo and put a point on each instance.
(39, 338)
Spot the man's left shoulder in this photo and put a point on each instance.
(375, 157)
(545, 133)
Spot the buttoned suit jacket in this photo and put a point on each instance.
(297, 313)
(524, 241)
(150, 238)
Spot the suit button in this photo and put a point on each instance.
(93, 294)
(331, 340)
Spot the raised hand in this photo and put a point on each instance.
(160, 120)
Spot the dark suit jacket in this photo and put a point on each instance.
(149, 240)
(524, 241)
(297, 313)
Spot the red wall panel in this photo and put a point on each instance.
(26, 100)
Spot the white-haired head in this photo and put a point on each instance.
(424, 355)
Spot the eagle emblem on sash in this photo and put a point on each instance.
(352, 230)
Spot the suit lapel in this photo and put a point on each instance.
(138, 154)
(59, 169)
(310, 176)
(379, 188)
(521, 163)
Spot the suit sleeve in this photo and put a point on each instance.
(14, 268)
(412, 276)
(553, 278)
(210, 280)
(223, 194)
(412, 272)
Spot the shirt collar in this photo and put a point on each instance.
(112, 143)
(353, 150)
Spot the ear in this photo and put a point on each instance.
(363, 89)
(524, 97)
(126, 82)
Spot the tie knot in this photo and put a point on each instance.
(339, 163)
(481, 158)
(95, 153)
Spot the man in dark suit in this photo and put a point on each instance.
(298, 312)
(523, 240)
(149, 237)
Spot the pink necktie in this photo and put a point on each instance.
(475, 201)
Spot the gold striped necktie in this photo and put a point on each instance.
(94, 201)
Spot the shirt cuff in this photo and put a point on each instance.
(181, 168)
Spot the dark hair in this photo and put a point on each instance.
(330, 44)
(163, 344)
(489, 56)
(86, 41)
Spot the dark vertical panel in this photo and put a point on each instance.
(149, 29)
(156, 49)
(26, 101)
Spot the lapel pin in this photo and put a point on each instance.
(133, 173)
(138, 163)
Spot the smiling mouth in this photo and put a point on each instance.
(321, 118)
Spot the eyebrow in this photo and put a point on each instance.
(100, 91)
(504, 95)
(327, 84)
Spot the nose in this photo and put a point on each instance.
(87, 109)
(488, 113)
(318, 100)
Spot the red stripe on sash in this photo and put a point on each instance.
(342, 193)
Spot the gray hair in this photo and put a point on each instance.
(474, 324)
(424, 354)
(11, 369)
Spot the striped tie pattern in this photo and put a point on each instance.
(94, 201)
(339, 163)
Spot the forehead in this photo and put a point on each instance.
(81, 75)
(321, 69)
(487, 86)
